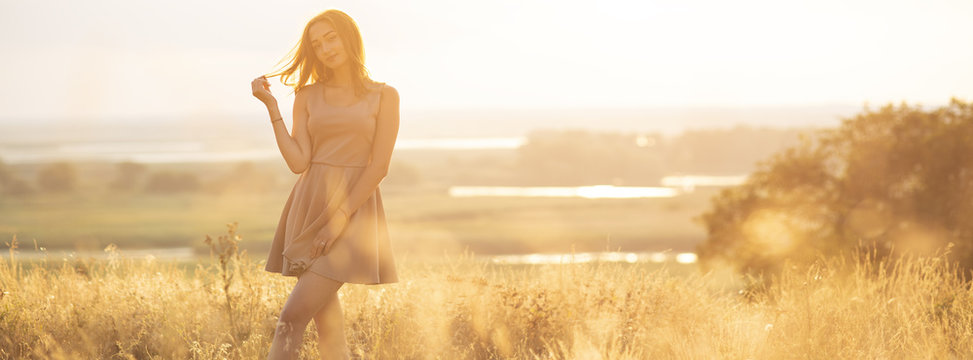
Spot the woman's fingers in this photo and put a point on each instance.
(261, 81)
(260, 88)
(256, 84)
(328, 246)
(321, 248)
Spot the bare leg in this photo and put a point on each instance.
(309, 296)
(329, 322)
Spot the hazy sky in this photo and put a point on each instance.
(110, 59)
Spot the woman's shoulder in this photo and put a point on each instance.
(306, 88)
(373, 85)
(382, 88)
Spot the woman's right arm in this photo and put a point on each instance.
(296, 147)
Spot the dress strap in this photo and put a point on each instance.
(378, 99)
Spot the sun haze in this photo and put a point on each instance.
(111, 59)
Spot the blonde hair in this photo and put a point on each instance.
(305, 66)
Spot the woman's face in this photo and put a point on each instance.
(327, 45)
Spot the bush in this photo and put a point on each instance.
(898, 178)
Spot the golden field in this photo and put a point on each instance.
(459, 308)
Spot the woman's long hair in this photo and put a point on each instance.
(305, 66)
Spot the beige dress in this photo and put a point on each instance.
(341, 144)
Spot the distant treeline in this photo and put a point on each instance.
(129, 177)
(577, 157)
(549, 157)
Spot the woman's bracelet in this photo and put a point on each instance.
(276, 120)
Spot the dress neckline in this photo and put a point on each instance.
(325, 100)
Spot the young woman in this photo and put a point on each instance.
(332, 230)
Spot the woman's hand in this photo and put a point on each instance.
(261, 90)
(329, 233)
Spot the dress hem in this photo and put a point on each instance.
(332, 277)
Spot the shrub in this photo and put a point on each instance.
(896, 178)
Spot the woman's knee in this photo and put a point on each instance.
(310, 296)
(293, 317)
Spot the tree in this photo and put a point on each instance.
(579, 157)
(127, 176)
(726, 151)
(172, 182)
(58, 177)
(11, 184)
(896, 180)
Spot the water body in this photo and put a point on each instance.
(193, 151)
(588, 192)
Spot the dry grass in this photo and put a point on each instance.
(460, 309)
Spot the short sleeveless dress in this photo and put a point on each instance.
(341, 144)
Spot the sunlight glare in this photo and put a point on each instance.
(588, 192)
(686, 258)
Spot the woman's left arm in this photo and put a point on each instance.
(386, 130)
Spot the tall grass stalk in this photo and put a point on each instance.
(226, 257)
